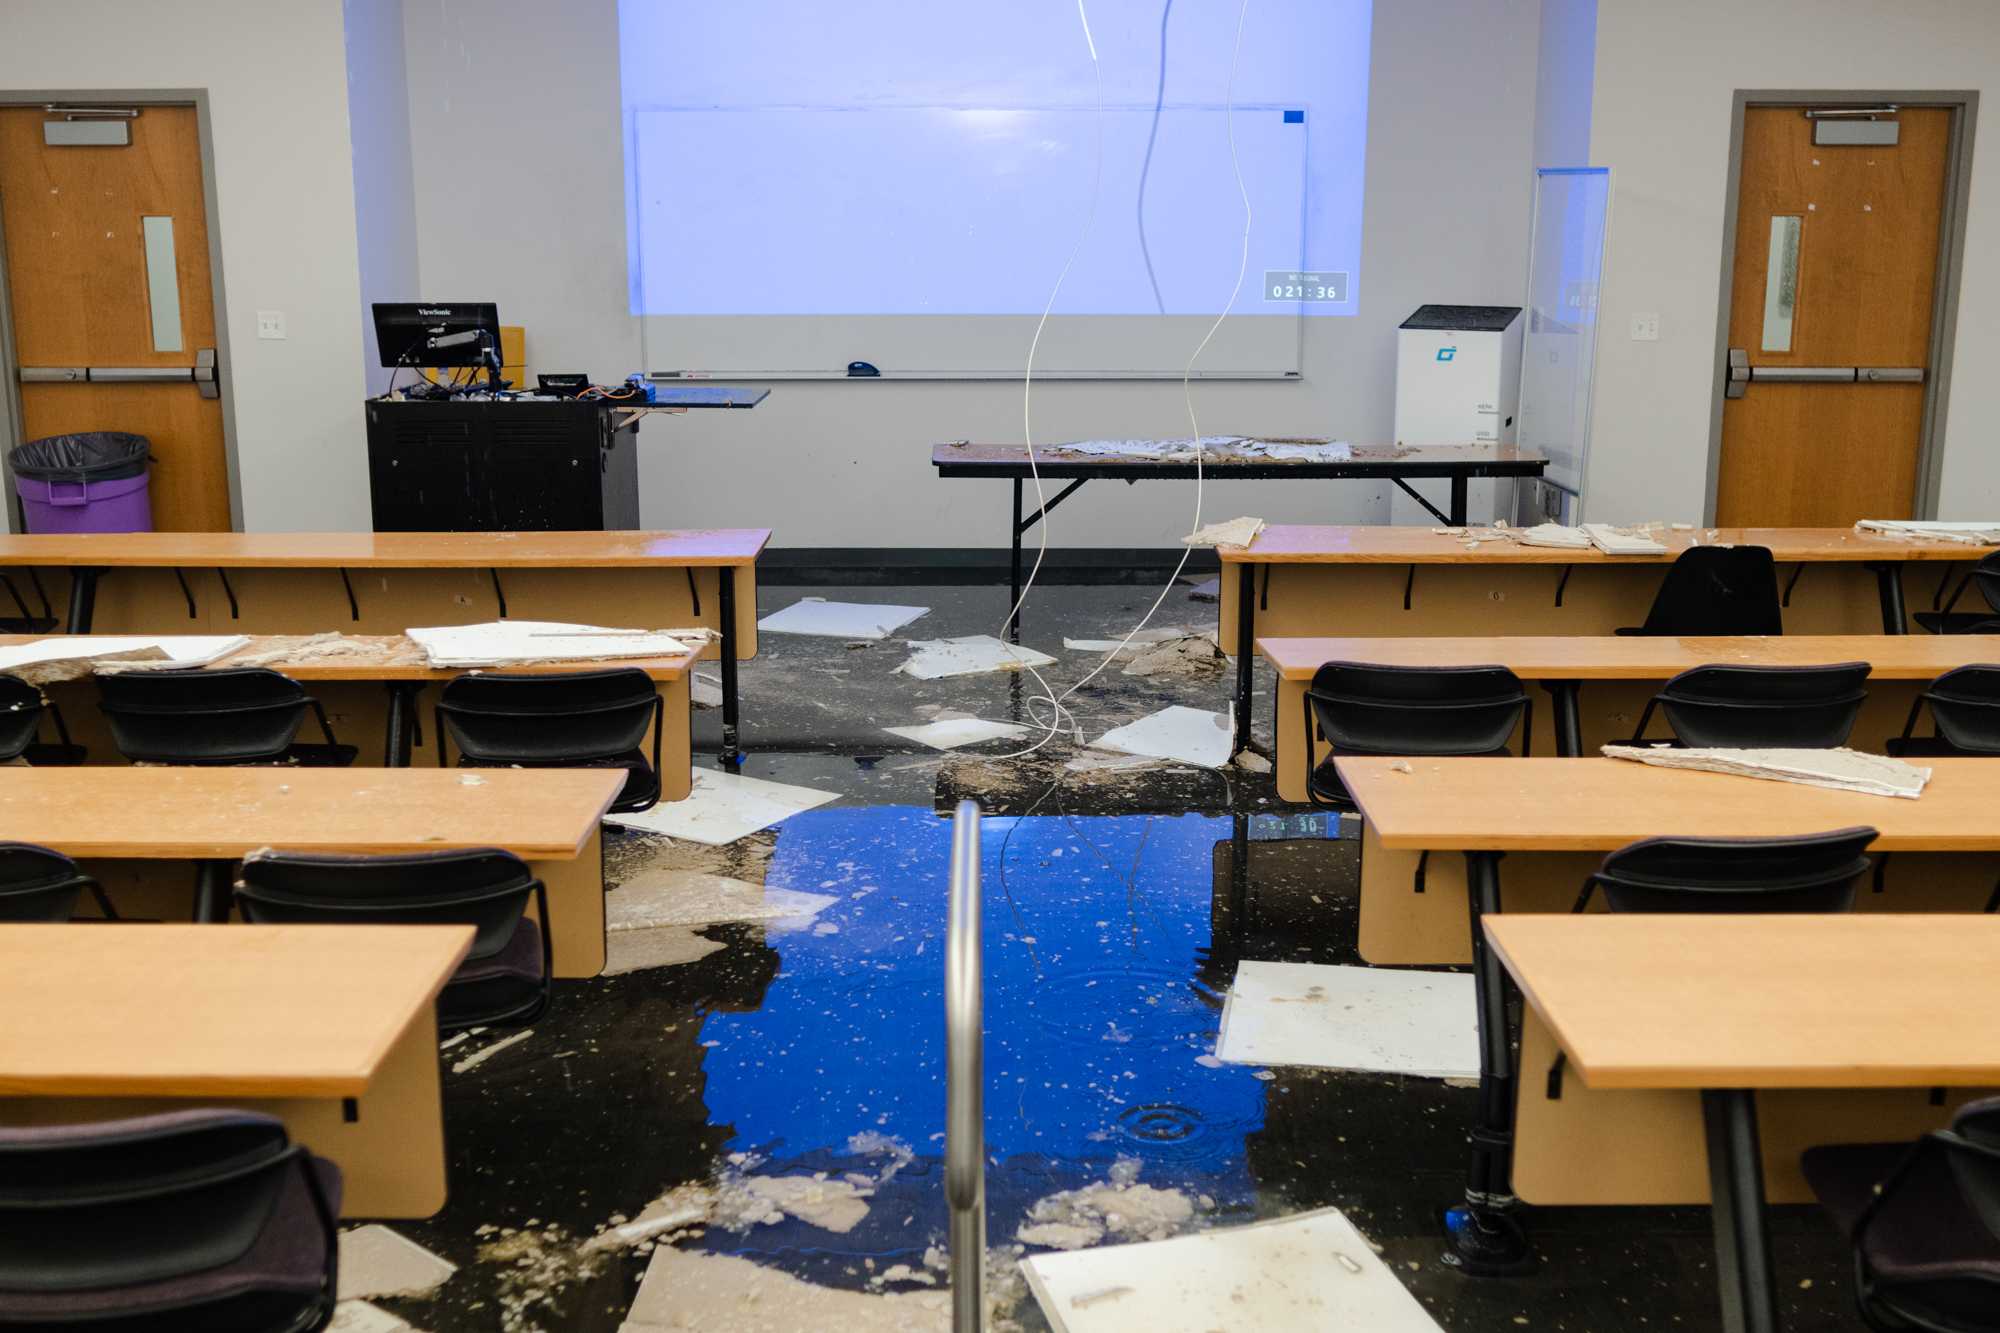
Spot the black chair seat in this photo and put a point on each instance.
(1323, 784)
(1957, 622)
(490, 990)
(642, 782)
(28, 624)
(37, 884)
(1923, 747)
(322, 756)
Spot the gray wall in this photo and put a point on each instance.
(385, 208)
(519, 184)
(1666, 75)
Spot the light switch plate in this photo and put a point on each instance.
(1646, 326)
(271, 324)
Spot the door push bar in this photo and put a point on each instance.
(202, 374)
(1742, 373)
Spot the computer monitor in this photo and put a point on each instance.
(438, 333)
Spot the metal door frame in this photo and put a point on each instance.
(10, 397)
(1964, 106)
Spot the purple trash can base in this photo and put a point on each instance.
(124, 505)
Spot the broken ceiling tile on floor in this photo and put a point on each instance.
(1302, 1274)
(720, 1293)
(1380, 1020)
(723, 807)
(377, 1261)
(1229, 532)
(935, 659)
(654, 898)
(516, 642)
(1206, 590)
(840, 620)
(704, 692)
(361, 1317)
(1840, 769)
(951, 733)
(656, 946)
(1187, 735)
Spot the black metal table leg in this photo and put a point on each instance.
(83, 597)
(1742, 1231)
(402, 712)
(1889, 590)
(211, 892)
(1486, 1236)
(732, 750)
(1246, 651)
(1568, 717)
(1458, 489)
(1013, 630)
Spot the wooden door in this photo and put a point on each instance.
(77, 258)
(1836, 262)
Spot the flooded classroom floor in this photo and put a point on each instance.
(745, 1130)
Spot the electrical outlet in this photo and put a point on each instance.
(271, 324)
(1646, 326)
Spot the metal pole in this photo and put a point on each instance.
(965, 1080)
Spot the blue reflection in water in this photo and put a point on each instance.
(1094, 1017)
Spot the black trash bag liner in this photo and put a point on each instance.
(95, 455)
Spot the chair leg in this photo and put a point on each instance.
(1993, 903)
(1639, 732)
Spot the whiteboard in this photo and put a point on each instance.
(921, 220)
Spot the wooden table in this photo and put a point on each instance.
(1735, 1008)
(1413, 582)
(1552, 820)
(1624, 672)
(387, 582)
(216, 816)
(1396, 463)
(332, 1029)
(396, 711)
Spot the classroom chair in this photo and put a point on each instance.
(200, 1219)
(37, 884)
(1810, 707)
(1986, 577)
(503, 981)
(22, 707)
(246, 715)
(1808, 872)
(1716, 590)
(1965, 716)
(1361, 708)
(1924, 1220)
(581, 719)
(28, 622)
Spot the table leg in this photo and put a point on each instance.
(212, 891)
(1458, 489)
(1486, 1237)
(1742, 1232)
(732, 750)
(1568, 717)
(402, 711)
(1889, 589)
(1013, 628)
(83, 598)
(1246, 651)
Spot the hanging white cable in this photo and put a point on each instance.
(1187, 393)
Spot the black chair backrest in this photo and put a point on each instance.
(21, 706)
(1364, 708)
(1986, 574)
(1965, 705)
(1812, 872)
(541, 719)
(123, 1202)
(1975, 1159)
(230, 716)
(1810, 707)
(1718, 590)
(481, 887)
(37, 884)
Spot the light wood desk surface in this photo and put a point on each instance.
(1763, 1001)
(192, 1011)
(384, 657)
(225, 813)
(1371, 544)
(1598, 804)
(1638, 657)
(390, 550)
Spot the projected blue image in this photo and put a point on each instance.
(890, 157)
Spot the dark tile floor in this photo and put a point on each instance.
(1112, 932)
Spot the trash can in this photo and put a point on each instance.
(95, 481)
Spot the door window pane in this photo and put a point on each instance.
(163, 283)
(1781, 283)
